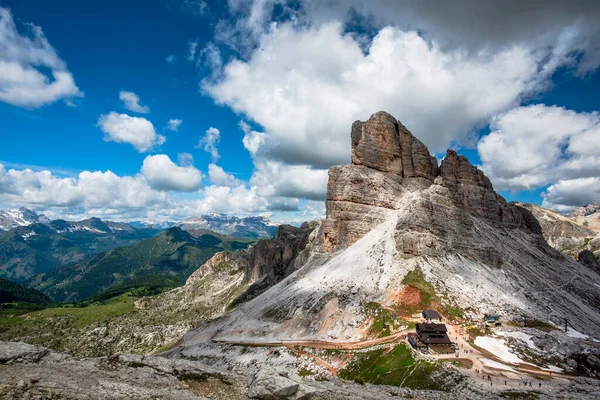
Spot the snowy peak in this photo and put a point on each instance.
(13, 218)
(251, 227)
(93, 225)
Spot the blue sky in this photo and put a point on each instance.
(266, 92)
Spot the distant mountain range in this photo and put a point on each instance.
(174, 253)
(73, 260)
(244, 227)
(26, 251)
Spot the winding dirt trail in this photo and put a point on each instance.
(323, 344)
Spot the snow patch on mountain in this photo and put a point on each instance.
(13, 218)
(253, 227)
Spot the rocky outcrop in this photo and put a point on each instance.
(388, 163)
(263, 264)
(584, 211)
(384, 144)
(567, 234)
(588, 259)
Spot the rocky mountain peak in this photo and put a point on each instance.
(584, 211)
(456, 169)
(384, 144)
(388, 164)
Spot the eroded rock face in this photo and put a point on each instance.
(588, 259)
(388, 163)
(384, 144)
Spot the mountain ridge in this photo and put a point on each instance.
(392, 211)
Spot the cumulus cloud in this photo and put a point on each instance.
(107, 195)
(252, 139)
(163, 174)
(131, 101)
(275, 179)
(173, 124)
(24, 60)
(307, 86)
(88, 189)
(219, 177)
(474, 26)
(137, 131)
(564, 195)
(185, 159)
(531, 147)
(209, 143)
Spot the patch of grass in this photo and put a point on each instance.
(383, 319)
(521, 395)
(541, 325)
(50, 324)
(464, 363)
(305, 372)
(395, 367)
(416, 279)
(452, 312)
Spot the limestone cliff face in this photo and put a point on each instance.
(391, 211)
(384, 144)
(264, 264)
(388, 164)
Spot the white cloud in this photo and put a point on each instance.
(530, 147)
(106, 195)
(173, 124)
(252, 139)
(535, 146)
(275, 179)
(137, 131)
(219, 177)
(164, 174)
(474, 26)
(23, 59)
(307, 86)
(209, 143)
(564, 195)
(87, 189)
(185, 159)
(131, 101)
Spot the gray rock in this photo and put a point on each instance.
(20, 352)
(268, 384)
(588, 259)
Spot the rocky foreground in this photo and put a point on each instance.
(32, 372)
